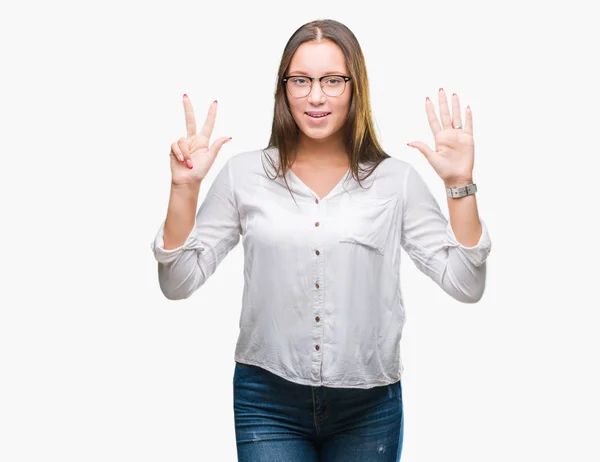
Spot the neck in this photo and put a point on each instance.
(322, 152)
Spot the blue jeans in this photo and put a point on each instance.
(280, 421)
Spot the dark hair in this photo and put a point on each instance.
(360, 139)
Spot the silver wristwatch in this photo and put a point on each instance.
(461, 191)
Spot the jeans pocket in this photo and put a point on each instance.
(241, 370)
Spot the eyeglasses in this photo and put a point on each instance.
(300, 86)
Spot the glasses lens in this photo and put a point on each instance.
(333, 86)
(298, 86)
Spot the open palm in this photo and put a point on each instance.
(454, 154)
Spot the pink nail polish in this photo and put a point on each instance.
(214, 101)
(441, 89)
(185, 96)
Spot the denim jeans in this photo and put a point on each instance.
(280, 421)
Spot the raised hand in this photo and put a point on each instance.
(191, 157)
(454, 154)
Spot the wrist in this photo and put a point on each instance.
(188, 191)
(185, 186)
(458, 183)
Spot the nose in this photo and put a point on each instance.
(316, 95)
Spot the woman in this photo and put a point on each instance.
(318, 366)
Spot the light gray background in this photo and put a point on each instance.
(96, 365)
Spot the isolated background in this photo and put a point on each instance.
(96, 365)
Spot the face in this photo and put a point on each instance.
(315, 60)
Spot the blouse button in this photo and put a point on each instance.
(317, 285)
(316, 201)
(317, 252)
(317, 319)
(317, 347)
(317, 223)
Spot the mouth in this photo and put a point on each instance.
(317, 116)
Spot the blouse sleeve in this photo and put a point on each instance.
(183, 270)
(428, 239)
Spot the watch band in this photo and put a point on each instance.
(461, 191)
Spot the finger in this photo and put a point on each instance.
(218, 144)
(209, 123)
(469, 122)
(444, 110)
(177, 152)
(456, 111)
(190, 119)
(434, 123)
(184, 148)
(423, 149)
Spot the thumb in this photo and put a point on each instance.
(422, 147)
(218, 144)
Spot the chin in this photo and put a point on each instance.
(317, 134)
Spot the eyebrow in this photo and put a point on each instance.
(306, 73)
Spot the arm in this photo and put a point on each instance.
(464, 217)
(202, 242)
(181, 214)
(429, 239)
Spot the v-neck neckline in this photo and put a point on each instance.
(333, 190)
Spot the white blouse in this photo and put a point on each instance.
(322, 301)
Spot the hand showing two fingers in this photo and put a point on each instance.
(191, 157)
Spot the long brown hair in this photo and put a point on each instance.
(359, 133)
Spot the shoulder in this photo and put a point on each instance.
(392, 172)
(244, 163)
(255, 156)
(247, 169)
(394, 166)
(244, 159)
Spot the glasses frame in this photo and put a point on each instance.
(320, 79)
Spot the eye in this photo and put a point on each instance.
(333, 81)
(299, 81)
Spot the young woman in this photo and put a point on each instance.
(324, 213)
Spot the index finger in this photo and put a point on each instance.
(190, 120)
(432, 117)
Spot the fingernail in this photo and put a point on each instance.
(441, 89)
(453, 94)
(428, 99)
(185, 96)
(214, 101)
(188, 162)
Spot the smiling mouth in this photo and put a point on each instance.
(317, 116)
